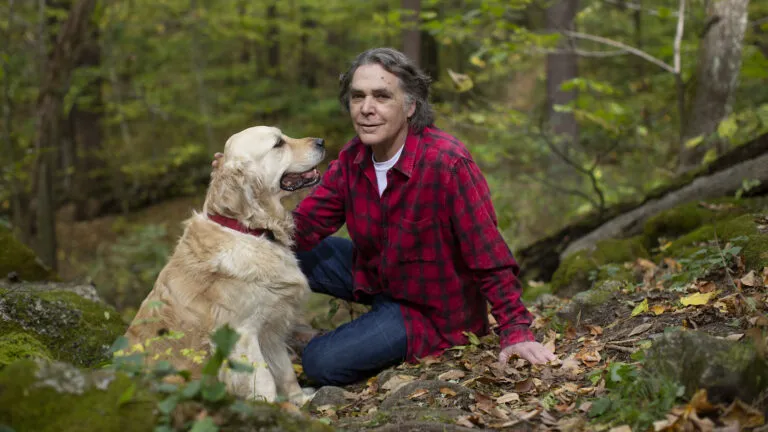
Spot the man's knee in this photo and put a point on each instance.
(320, 367)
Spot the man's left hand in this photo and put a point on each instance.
(534, 352)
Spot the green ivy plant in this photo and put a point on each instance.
(209, 390)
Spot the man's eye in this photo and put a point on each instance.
(279, 143)
(382, 96)
(357, 97)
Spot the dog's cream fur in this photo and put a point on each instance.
(219, 276)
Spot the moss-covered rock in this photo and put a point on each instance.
(727, 369)
(690, 216)
(584, 304)
(54, 317)
(45, 396)
(15, 257)
(754, 243)
(19, 345)
(41, 396)
(578, 271)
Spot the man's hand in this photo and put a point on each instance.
(534, 352)
(216, 158)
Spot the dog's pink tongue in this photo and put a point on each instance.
(309, 175)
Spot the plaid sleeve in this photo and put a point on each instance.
(485, 252)
(322, 212)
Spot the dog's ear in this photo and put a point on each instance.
(233, 188)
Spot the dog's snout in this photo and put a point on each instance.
(319, 142)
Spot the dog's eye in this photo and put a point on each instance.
(280, 142)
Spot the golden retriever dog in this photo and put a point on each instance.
(234, 265)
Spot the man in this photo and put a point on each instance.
(426, 252)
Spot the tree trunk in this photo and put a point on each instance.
(18, 198)
(411, 33)
(53, 88)
(717, 77)
(308, 63)
(86, 124)
(562, 67)
(273, 40)
(721, 178)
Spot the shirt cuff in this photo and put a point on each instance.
(515, 334)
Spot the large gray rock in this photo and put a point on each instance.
(727, 369)
(67, 322)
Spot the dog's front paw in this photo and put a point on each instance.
(301, 398)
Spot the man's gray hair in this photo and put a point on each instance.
(413, 81)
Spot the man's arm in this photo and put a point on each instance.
(322, 212)
(486, 253)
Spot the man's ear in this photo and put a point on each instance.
(411, 109)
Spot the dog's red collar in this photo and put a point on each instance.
(237, 226)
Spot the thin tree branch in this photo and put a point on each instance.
(679, 85)
(581, 53)
(617, 44)
(679, 35)
(636, 7)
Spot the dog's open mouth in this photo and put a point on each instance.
(295, 181)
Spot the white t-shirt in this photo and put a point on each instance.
(382, 168)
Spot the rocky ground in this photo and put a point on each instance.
(662, 331)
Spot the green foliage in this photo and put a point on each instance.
(127, 270)
(703, 262)
(208, 391)
(636, 397)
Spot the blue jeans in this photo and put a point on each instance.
(358, 349)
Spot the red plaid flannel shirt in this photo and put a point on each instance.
(430, 242)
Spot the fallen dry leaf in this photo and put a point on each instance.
(469, 421)
(524, 386)
(594, 330)
(397, 381)
(622, 428)
(707, 286)
(735, 336)
(590, 357)
(447, 391)
(507, 398)
(646, 264)
(418, 393)
(747, 416)
(697, 299)
(658, 309)
(642, 328)
(751, 279)
(453, 374)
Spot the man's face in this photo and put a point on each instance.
(378, 107)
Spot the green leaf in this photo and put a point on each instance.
(241, 407)
(127, 395)
(214, 391)
(191, 389)
(238, 366)
(641, 308)
(213, 364)
(163, 428)
(727, 128)
(120, 343)
(167, 388)
(599, 407)
(225, 339)
(473, 339)
(693, 142)
(168, 404)
(205, 425)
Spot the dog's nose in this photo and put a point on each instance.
(319, 142)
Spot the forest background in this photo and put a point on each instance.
(569, 106)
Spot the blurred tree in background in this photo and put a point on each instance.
(585, 102)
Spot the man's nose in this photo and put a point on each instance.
(367, 106)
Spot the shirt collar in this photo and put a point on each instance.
(411, 153)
